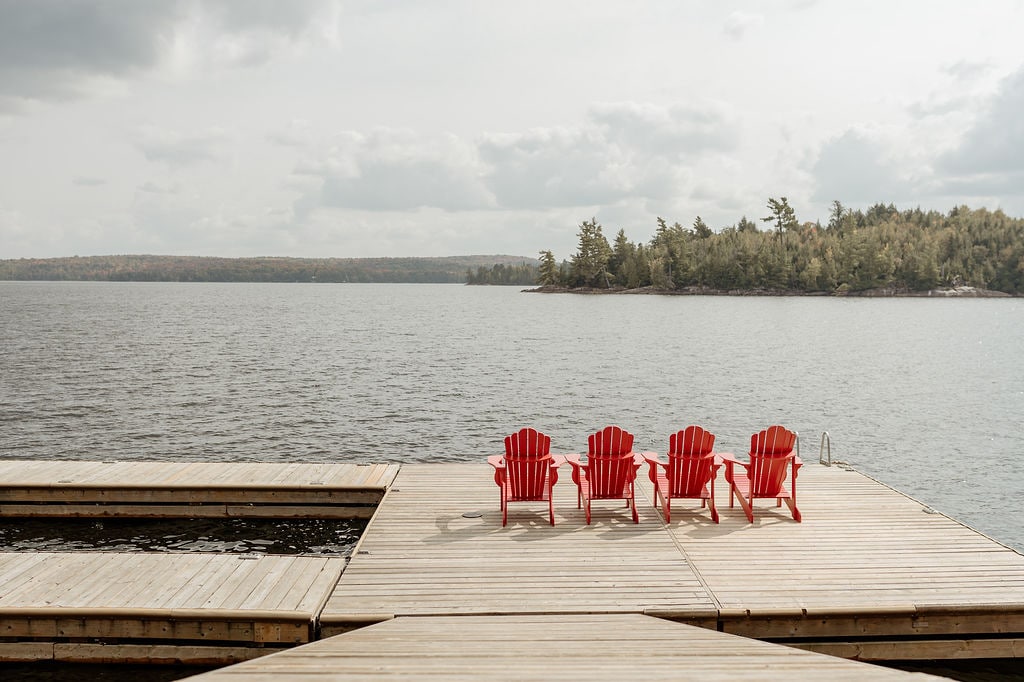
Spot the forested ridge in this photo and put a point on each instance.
(147, 268)
(880, 249)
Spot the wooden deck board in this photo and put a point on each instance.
(567, 647)
(420, 555)
(867, 563)
(98, 589)
(862, 552)
(194, 475)
(860, 545)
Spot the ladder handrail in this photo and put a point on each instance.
(826, 442)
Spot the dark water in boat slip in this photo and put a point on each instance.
(925, 395)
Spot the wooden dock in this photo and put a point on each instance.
(599, 648)
(194, 489)
(85, 606)
(870, 573)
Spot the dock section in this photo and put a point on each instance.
(610, 647)
(193, 489)
(86, 606)
(869, 573)
(437, 547)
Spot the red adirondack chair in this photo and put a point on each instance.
(771, 453)
(690, 473)
(610, 470)
(527, 472)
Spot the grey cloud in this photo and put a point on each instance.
(673, 131)
(50, 48)
(83, 181)
(968, 71)
(552, 167)
(851, 169)
(393, 170)
(180, 149)
(995, 143)
(291, 17)
(623, 152)
(626, 150)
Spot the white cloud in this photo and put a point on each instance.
(739, 23)
(212, 127)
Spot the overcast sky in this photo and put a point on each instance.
(450, 127)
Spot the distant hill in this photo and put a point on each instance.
(146, 268)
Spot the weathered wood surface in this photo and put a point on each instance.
(195, 475)
(612, 647)
(211, 597)
(421, 556)
(200, 489)
(866, 561)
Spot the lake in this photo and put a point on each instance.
(925, 395)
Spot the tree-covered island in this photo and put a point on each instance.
(881, 251)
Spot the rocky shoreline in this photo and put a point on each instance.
(952, 292)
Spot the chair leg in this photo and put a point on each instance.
(791, 503)
(551, 507)
(667, 506)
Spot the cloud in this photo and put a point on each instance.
(666, 131)
(85, 181)
(852, 169)
(621, 152)
(554, 167)
(738, 23)
(395, 170)
(47, 47)
(993, 144)
(58, 50)
(624, 150)
(179, 149)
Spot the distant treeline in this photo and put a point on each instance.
(521, 274)
(451, 269)
(880, 248)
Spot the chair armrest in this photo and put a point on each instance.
(720, 458)
(730, 461)
(496, 461)
(573, 460)
(652, 462)
(557, 461)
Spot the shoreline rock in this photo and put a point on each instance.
(885, 292)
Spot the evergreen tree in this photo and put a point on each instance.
(547, 273)
(590, 263)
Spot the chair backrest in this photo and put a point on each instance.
(611, 440)
(690, 461)
(771, 451)
(610, 465)
(527, 462)
(527, 442)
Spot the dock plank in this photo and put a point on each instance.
(421, 556)
(568, 647)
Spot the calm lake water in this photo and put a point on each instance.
(925, 395)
